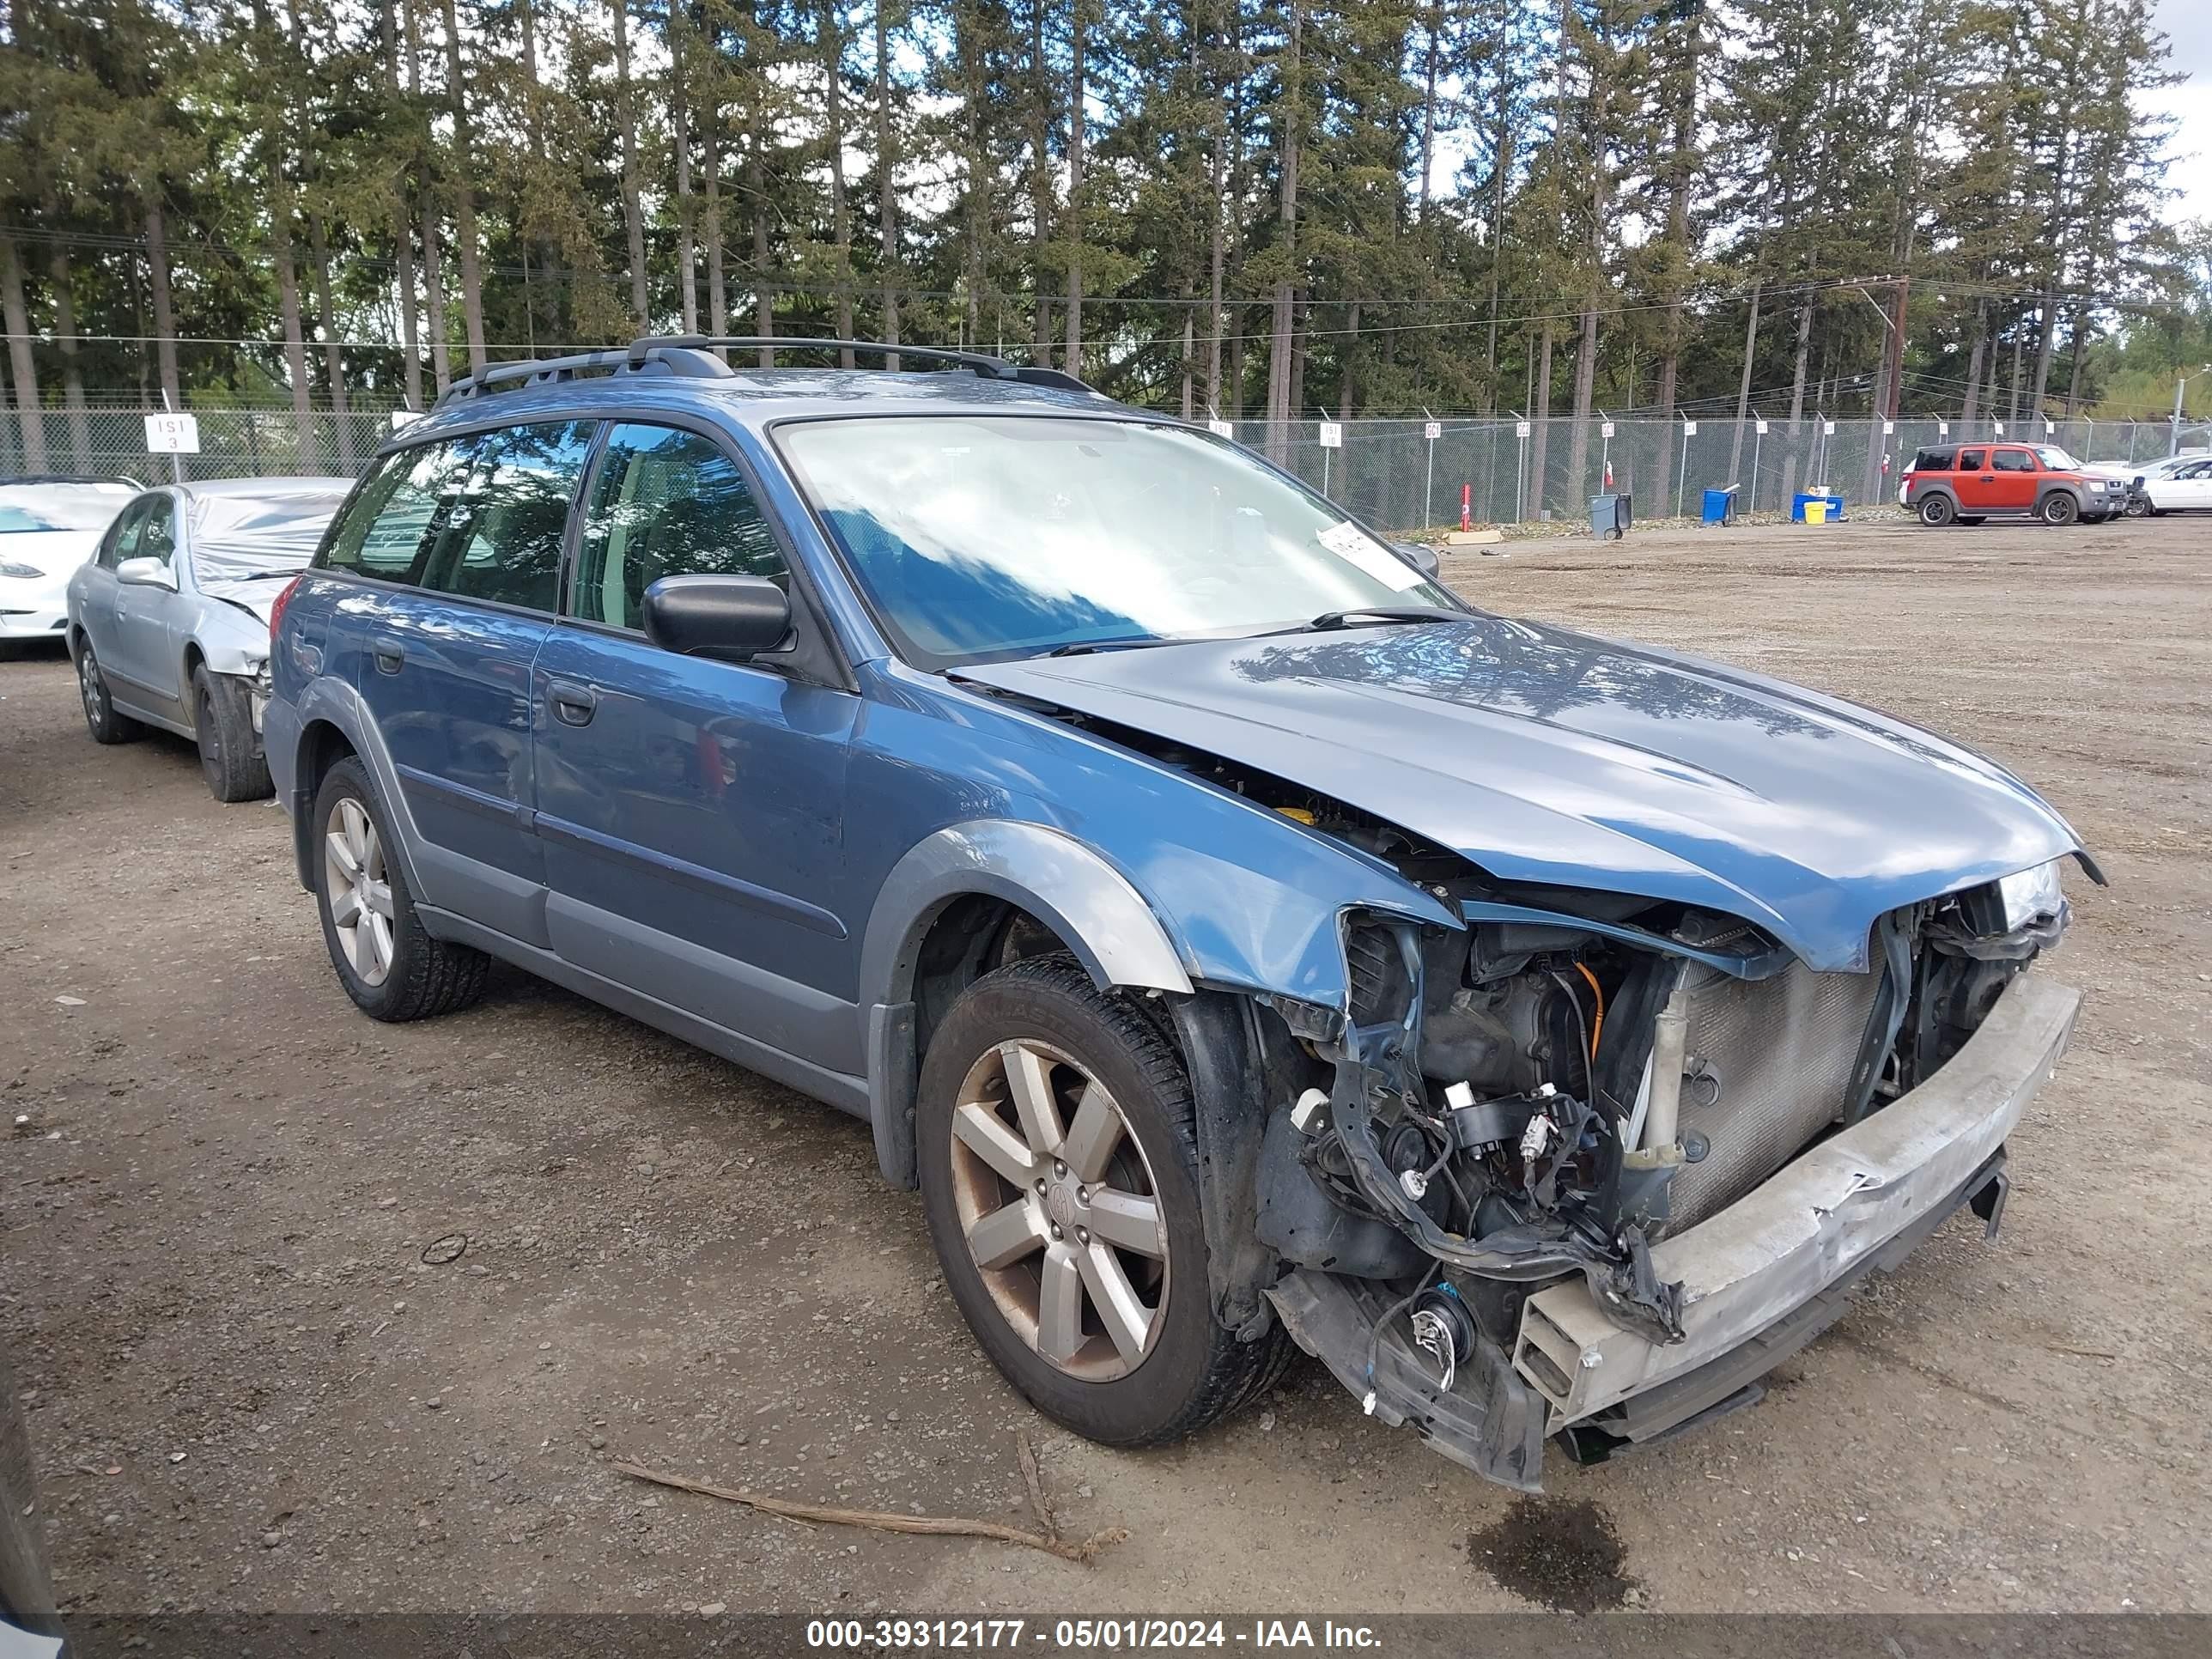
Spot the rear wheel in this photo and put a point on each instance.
(222, 726)
(1059, 1176)
(1937, 511)
(389, 965)
(99, 716)
(2059, 507)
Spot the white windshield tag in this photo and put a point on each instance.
(1350, 543)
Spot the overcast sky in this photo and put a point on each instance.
(2189, 22)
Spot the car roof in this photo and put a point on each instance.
(755, 397)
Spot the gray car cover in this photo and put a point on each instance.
(239, 543)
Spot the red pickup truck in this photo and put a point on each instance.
(1966, 483)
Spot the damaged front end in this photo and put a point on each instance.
(1532, 1108)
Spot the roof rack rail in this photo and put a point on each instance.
(982, 362)
(613, 359)
(692, 357)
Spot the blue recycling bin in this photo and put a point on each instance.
(1720, 506)
(1835, 504)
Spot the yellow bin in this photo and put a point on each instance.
(1816, 513)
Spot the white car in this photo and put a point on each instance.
(48, 528)
(2184, 489)
(168, 622)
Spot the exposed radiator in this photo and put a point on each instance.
(1781, 1050)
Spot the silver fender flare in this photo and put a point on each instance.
(1063, 884)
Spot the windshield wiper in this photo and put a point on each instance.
(1328, 621)
(1084, 647)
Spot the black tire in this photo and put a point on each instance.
(222, 726)
(1195, 1372)
(99, 716)
(426, 975)
(1937, 510)
(2137, 507)
(2058, 507)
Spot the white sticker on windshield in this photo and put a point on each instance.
(1350, 542)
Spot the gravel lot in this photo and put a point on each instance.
(248, 1390)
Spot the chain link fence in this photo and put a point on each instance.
(235, 443)
(1388, 472)
(1393, 474)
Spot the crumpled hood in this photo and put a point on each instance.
(1548, 756)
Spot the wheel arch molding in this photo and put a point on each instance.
(333, 703)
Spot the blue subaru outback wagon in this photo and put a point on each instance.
(1239, 940)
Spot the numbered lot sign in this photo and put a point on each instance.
(172, 435)
(1434, 430)
(1332, 436)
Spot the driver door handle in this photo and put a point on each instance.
(573, 704)
(391, 656)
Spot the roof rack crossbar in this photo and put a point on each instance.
(981, 362)
(615, 360)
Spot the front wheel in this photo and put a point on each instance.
(2137, 507)
(1060, 1177)
(390, 967)
(2059, 507)
(1937, 510)
(222, 726)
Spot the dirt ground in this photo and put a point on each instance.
(248, 1389)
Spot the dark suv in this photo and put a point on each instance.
(1237, 939)
(1968, 483)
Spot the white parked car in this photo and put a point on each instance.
(168, 623)
(48, 528)
(2184, 489)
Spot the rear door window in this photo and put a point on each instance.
(1969, 461)
(666, 503)
(386, 533)
(502, 535)
(481, 517)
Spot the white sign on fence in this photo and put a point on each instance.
(1889, 429)
(1332, 436)
(1689, 428)
(401, 418)
(1827, 429)
(1221, 429)
(1434, 430)
(2049, 430)
(172, 435)
(1605, 430)
(2000, 427)
(1520, 429)
(1759, 427)
(1943, 429)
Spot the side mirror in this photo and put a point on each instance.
(146, 573)
(1422, 557)
(729, 618)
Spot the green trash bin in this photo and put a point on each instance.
(1610, 516)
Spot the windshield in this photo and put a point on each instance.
(35, 507)
(975, 537)
(2056, 459)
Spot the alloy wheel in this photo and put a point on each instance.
(1060, 1210)
(359, 891)
(87, 685)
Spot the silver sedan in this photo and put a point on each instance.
(168, 622)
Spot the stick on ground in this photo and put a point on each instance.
(883, 1521)
(1026, 1456)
